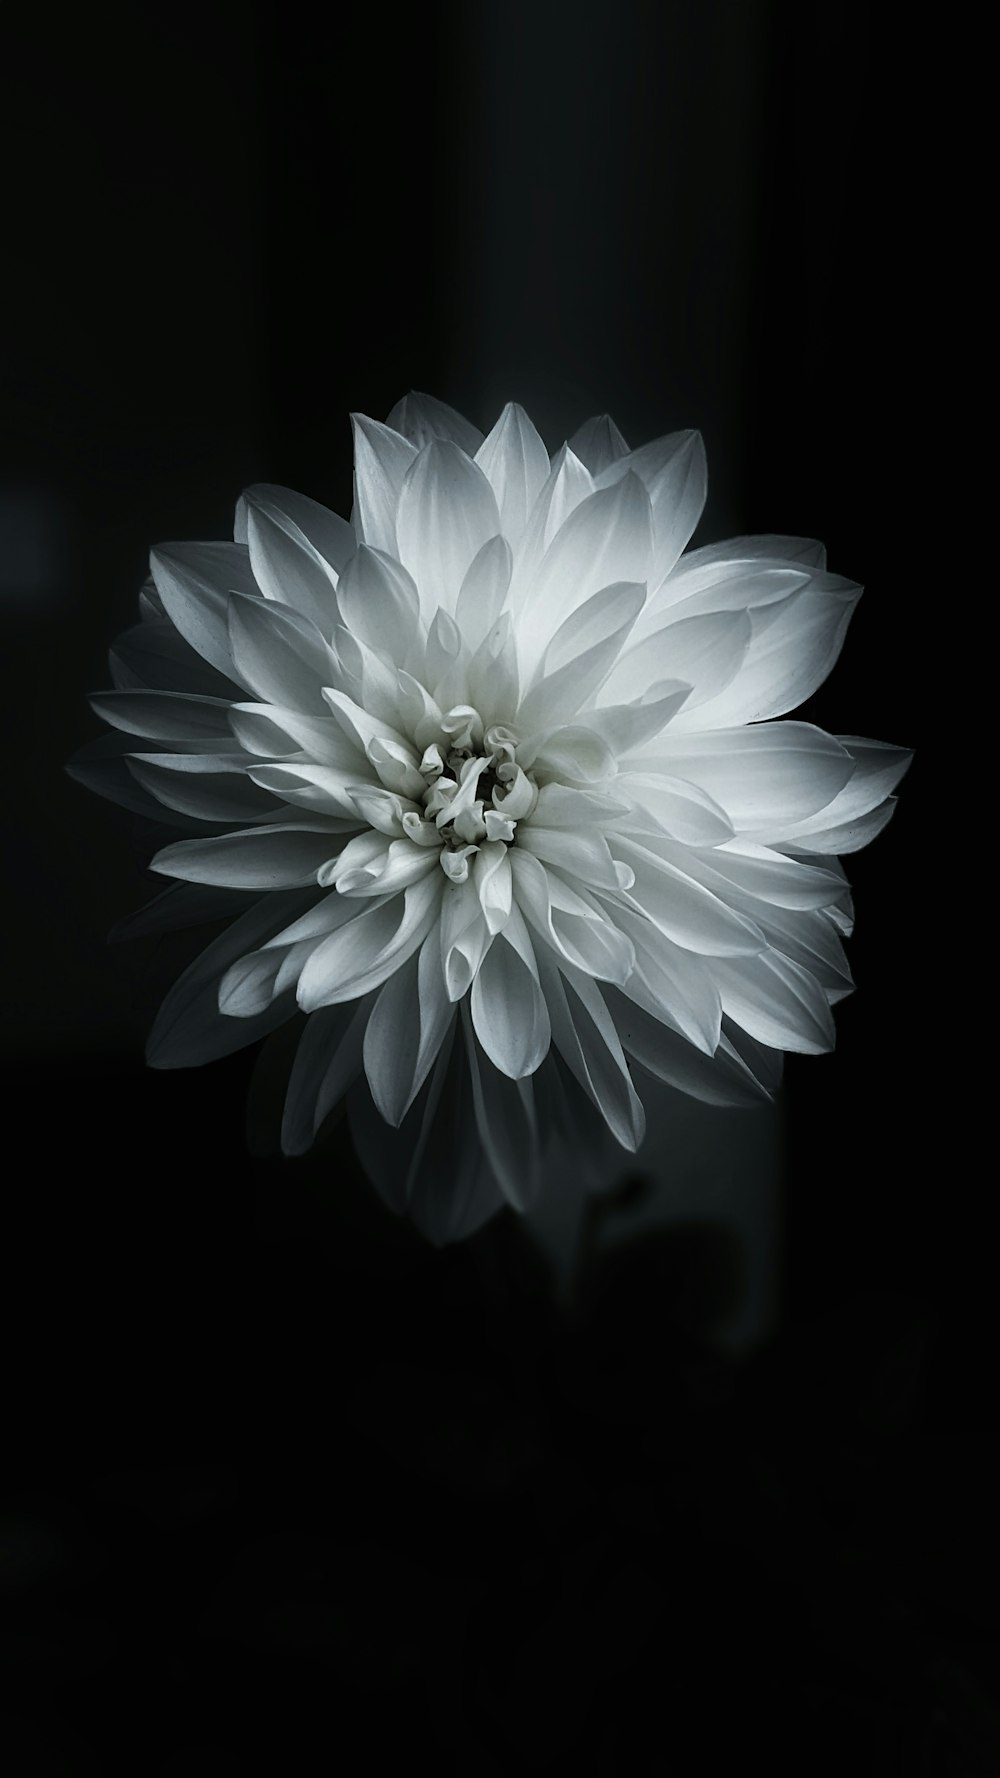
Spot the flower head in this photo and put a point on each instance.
(491, 778)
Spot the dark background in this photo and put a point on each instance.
(283, 1487)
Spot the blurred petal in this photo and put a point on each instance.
(598, 443)
(422, 417)
(283, 856)
(195, 582)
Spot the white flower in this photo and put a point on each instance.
(491, 772)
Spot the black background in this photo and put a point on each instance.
(283, 1487)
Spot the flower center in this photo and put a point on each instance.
(476, 791)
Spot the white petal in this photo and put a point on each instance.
(411, 1018)
(568, 483)
(217, 791)
(422, 417)
(326, 532)
(672, 984)
(507, 1124)
(697, 588)
(768, 876)
(491, 880)
(803, 551)
(878, 768)
(679, 808)
(181, 905)
(705, 653)
(327, 1062)
(465, 936)
(361, 956)
(378, 601)
(792, 649)
(381, 459)
(155, 657)
(482, 593)
(446, 513)
(598, 443)
(574, 753)
(507, 1005)
(251, 984)
(195, 581)
(189, 1029)
(492, 676)
(165, 715)
(581, 857)
(675, 474)
(359, 725)
(688, 913)
(433, 1167)
(627, 726)
(516, 465)
(279, 654)
(272, 731)
(400, 864)
(323, 789)
(580, 656)
(765, 778)
(778, 1002)
(280, 857)
(574, 926)
(605, 540)
(849, 835)
(721, 1079)
(585, 1036)
(287, 567)
(561, 805)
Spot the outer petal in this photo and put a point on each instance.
(606, 539)
(598, 443)
(704, 652)
(507, 1124)
(194, 581)
(189, 1029)
(286, 566)
(765, 778)
(284, 856)
(580, 656)
(327, 1062)
(792, 649)
(381, 458)
(166, 716)
(584, 1034)
(516, 465)
(422, 417)
(280, 654)
(446, 513)
(326, 532)
(778, 1002)
(675, 474)
(379, 602)
(878, 767)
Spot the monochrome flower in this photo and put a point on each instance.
(494, 783)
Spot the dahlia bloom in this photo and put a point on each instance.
(490, 780)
